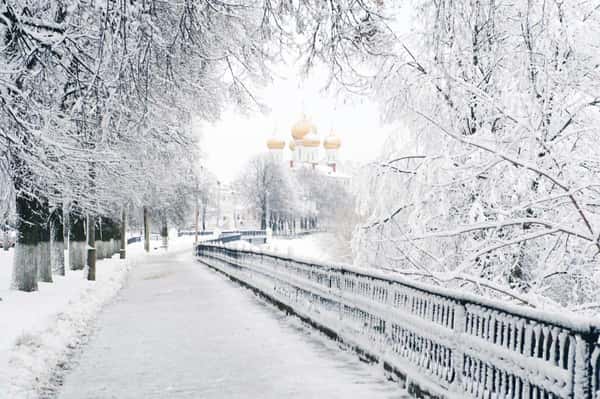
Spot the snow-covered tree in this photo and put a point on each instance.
(492, 183)
(267, 186)
(90, 89)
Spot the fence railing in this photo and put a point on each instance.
(252, 236)
(245, 233)
(191, 233)
(442, 342)
(298, 233)
(226, 233)
(131, 240)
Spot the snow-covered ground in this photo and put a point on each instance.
(38, 330)
(319, 246)
(180, 330)
(232, 345)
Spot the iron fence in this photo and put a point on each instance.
(441, 342)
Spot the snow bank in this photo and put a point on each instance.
(38, 330)
(241, 245)
(307, 247)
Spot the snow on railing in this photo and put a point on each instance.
(440, 341)
(246, 233)
(226, 237)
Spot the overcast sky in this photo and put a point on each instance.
(229, 143)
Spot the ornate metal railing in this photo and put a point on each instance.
(192, 233)
(245, 233)
(441, 342)
(252, 236)
(227, 235)
(131, 240)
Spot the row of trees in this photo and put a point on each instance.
(492, 183)
(90, 120)
(289, 201)
(98, 99)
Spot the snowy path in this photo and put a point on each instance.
(180, 330)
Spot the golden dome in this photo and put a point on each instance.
(275, 144)
(332, 142)
(311, 140)
(302, 128)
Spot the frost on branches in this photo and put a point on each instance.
(492, 185)
(98, 101)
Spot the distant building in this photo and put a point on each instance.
(229, 211)
(308, 148)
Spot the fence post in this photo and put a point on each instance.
(582, 370)
(459, 328)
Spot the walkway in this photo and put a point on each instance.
(180, 330)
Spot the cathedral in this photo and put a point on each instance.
(307, 147)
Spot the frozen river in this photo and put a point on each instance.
(179, 330)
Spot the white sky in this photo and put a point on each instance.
(229, 143)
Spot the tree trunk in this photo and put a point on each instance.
(25, 262)
(90, 270)
(77, 243)
(114, 240)
(5, 243)
(146, 230)
(45, 255)
(263, 217)
(57, 242)
(164, 231)
(196, 223)
(100, 231)
(107, 238)
(123, 246)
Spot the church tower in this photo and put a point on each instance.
(300, 130)
(332, 144)
(276, 146)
